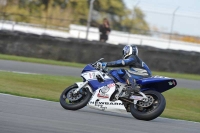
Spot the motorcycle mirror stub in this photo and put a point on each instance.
(100, 59)
(97, 61)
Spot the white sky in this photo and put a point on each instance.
(159, 13)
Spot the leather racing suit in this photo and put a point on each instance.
(137, 69)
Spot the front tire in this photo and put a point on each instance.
(69, 102)
(146, 111)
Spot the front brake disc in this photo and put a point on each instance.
(73, 97)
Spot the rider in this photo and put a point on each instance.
(138, 69)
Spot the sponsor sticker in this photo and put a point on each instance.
(172, 83)
(100, 105)
(102, 95)
(111, 85)
(159, 76)
(102, 92)
(93, 74)
(90, 75)
(97, 102)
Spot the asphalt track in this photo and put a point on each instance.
(24, 115)
(68, 71)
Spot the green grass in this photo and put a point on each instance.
(39, 60)
(35, 86)
(181, 103)
(62, 63)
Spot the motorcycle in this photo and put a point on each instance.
(105, 90)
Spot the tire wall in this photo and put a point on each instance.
(82, 51)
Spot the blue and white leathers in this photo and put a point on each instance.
(135, 64)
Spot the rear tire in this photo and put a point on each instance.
(74, 105)
(151, 112)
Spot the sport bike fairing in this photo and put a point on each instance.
(91, 77)
(101, 100)
(157, 83)
(102, 91)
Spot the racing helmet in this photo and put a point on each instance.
(129, 50)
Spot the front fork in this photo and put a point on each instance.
(81, 85)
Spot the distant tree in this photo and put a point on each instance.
(64, 12)
(122, 18)
(114, 9)
(136, 23)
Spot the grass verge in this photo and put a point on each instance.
(71, 64)
(35, 86)
(181, 103)
(41, 61)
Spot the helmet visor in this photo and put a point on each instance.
(136, 51)
(126, 51)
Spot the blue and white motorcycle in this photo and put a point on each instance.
(106, 91)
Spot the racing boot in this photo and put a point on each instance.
(132, 87)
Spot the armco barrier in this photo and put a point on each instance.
(83, 51)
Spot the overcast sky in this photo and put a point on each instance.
(159, 13)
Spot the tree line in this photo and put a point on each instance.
(65, 12)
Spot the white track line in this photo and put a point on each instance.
(26, 97)
(20, 72)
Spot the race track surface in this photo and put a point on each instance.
(24, 115)
(69, 71)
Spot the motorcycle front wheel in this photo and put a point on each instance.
(71, 101)
(151, 109)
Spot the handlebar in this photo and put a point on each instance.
(97, 61)
(105, 70)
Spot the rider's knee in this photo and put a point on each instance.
(121, 72)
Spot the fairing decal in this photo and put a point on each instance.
(104, 103)
(95, 84)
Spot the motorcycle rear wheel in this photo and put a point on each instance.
(152, 111)
(74, 102)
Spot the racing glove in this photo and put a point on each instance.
(104, 65)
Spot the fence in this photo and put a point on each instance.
(47, 22)
(116, 37)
